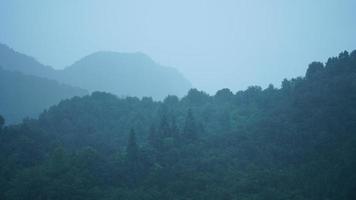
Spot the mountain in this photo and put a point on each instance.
(37, 86)
(12, 60)
(125, 74)
(27, 96)
(294, 142)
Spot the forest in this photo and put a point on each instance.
(294, 142)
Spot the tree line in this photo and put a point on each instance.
(293, 142)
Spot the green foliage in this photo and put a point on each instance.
(2, 122)
(314, 69)
(295, 143)
(132, 148)
(190, 130)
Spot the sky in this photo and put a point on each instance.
(214, 43)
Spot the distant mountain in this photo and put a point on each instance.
(125, 74)
(27, 96)
(14, 61)
(297, 143)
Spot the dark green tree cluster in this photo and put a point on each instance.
(294, 142)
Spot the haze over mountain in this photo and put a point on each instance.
(293, 143)
(15, 61)
(215, 44)
(112, 115)
(27, 96)
(128, 74)
(123, 74)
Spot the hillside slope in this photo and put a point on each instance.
(125, 74)
(12, 60)
(296, 142)
(27, 96)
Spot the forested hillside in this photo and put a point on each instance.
(295, 142)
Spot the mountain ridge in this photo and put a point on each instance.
(137, 74)
(123, 74)
(29, 95)
(294, 142)
(13, 60)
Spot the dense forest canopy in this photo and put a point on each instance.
(294, 142)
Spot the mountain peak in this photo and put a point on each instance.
(14, 61)
(125, 74)
(112, 58)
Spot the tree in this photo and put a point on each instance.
(190, 131)
(314, 69)
(132, 158)
(132, 148)
(152, 138)
(164, 129)
(174, 129)
(2, 122)
(224, 95)
(196, 97)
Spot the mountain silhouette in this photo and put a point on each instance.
(123, 74)
(27, 96)
(12, 60)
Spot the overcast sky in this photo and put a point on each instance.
(215, 44)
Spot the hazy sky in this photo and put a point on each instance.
(215, 44)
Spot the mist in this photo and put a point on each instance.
(177, 100)
(214, 44)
